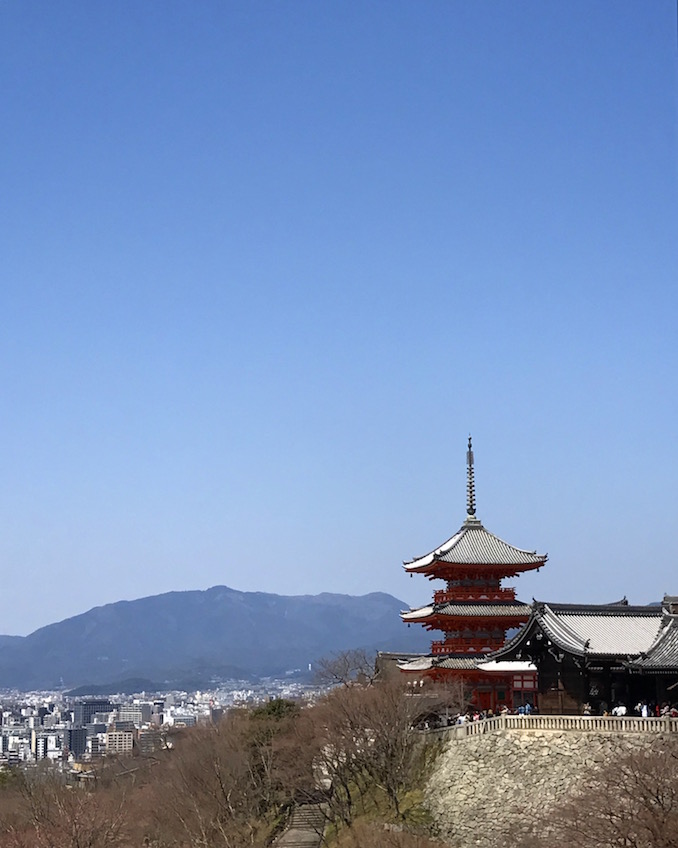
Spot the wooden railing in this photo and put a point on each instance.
(445, 596)
(585, 724)
(471, 646)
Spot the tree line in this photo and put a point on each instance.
(232, 784)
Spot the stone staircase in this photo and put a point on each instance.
(305, 829)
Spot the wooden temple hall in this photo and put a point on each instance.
(600, 655)
(561, 657)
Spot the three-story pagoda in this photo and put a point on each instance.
(474, 611)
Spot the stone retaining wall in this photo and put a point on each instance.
(485, 787)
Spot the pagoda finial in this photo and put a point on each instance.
(470, 482)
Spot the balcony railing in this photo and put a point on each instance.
(586, 724)
(446, 596)
(457, 646)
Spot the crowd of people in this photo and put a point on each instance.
(476, 714)
(644, 709)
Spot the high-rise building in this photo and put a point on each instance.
(75, 741)
(84, 711)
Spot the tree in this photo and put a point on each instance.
(365, 741)
(345, 668)
(227, 784)
(630, 802)
(440, 701)
(55, 814)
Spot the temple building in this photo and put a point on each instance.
(474, 611)
(600, 656)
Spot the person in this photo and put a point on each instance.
(528, 708)
(586, 710)
(644, 711)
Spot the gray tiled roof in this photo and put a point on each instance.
(417, 614)
(465, 663)
(469, 609)
(663, 653)
(474, 545)
(603, 630)
(591, 630)
(417, 664)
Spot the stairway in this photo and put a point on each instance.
(305, 829)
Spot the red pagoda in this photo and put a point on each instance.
(474, 611)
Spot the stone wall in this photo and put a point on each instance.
(487, 788)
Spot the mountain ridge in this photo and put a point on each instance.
(203, 634)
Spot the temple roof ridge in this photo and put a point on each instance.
(473, 544)
(614, 608)
(589, 629)
(663, 652)
(468, 609)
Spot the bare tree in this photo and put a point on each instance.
(205, 797)
(226, 784)
(346, 668)
(631, 801)
(58, 815)
(366, 741)
(440, 701)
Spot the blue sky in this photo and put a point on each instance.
(266, 265)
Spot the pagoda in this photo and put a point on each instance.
(474, 611)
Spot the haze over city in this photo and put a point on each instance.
(266, 266)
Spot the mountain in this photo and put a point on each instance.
(198, 635)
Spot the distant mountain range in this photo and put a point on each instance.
(191, 637)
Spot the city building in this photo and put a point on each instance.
(474, 610)
(138, 714)
(84, 711)
(46, 745)
(150, 740)
(75, 741)
(119, 742)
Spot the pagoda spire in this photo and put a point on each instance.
(470, 483)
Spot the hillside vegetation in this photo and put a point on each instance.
(357, 751)
(233, 784)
